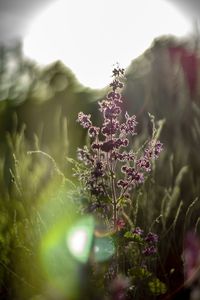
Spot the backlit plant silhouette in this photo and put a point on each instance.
(111, 170)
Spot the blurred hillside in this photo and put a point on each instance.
(164, 81)
(40, 98)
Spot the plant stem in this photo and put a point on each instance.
(113, 190)
(114, 198)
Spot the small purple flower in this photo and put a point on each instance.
(153, 150)
(124, 169)
(116, 84)
(96, 146)
(138, 177)
(130, 156)
(121, 156)
(134, 176)
(112, 111)
(130, 124)
(110, 127)
(93, 131)
(138, 231)
(108, 146)
(118, 143)
(129, 171)
(144, 163)
(114, 96)
(122, 183)
(125, 142)
(125, 156)
(148, 251)
(118, 71)
(84, 120)
(98, 170)
(85, 156)
(151, 238)
(81, 154)
(158, 148)
(121, 143)
(103, 105)
(115, 155)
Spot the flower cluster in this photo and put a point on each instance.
(110, 146)
(136, 174)
(151, 238)
(84, 120)
(138, 231)
(150, 250)
(151, 244)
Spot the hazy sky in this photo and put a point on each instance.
(16, 15)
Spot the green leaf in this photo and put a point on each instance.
(122, 202)
(128, 235)
(133, 236)
(157, 287)
(139, 273)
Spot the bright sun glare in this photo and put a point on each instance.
(78, 241)
(89, 36)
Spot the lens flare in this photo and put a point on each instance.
(80, 237)
(104, 248)
(61, 273)
(78, 242)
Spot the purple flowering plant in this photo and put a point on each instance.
(111, 170)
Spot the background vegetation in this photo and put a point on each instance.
(38, 112)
